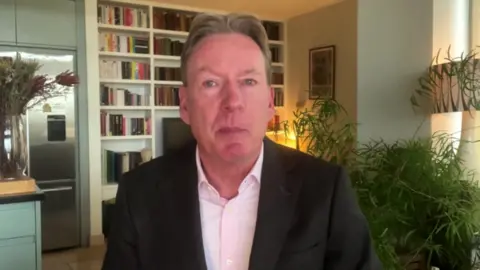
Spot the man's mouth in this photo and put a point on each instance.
(230, 130)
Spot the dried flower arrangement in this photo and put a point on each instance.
(21, 88)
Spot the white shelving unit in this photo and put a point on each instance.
(114, 50)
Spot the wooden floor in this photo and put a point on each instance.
(75, 259)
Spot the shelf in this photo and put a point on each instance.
(273, 133)
(122, 81)
(125, 108)
(277, 85)
(168, 83)
(167, 57)
(128, 137)
(167, 108)
(122, 28)
(170, 33)
(275, 42)
(125, 55)
(174, 58)
(139, 108)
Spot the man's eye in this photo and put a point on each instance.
(250, 82)
(209, 83)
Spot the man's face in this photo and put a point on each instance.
(228, 101)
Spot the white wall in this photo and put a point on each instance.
(394, 48)
(451, 27)
(475, 17)
(332, 25)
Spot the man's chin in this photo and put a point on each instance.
(234, 151)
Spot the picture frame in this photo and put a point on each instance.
(322, 72)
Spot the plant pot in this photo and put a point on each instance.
(13, 147)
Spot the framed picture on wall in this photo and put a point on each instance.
(322, 73)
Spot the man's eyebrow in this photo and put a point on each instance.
(250, 71)
(204, 69)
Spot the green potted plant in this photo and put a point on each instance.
(420, 202)
(418, 197)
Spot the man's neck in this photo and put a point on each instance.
(226, 177)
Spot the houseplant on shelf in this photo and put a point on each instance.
(21, 88)
(449, 85)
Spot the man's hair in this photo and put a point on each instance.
(205, 25)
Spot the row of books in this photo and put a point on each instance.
(278, 99)
(122, 16)
(113, 124)
(162, 19)
(166, 46)
(167, 96)
(275, 54)
(167, 74)
(128, 70)
(111, 96)
(111, 42)
(272, 29)
(131, 70)
(115, 164)
(277, 78)
(172, 20)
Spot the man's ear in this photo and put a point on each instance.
(183, 96)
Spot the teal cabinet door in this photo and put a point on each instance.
(46, 22)
(21, 256)
(7, 21)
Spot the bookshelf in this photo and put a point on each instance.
(138, 54)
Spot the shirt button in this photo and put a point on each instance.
(229, 262)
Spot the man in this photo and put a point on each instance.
(235, 200)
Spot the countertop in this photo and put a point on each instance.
(22, 197)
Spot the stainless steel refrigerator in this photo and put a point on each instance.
(52, 147)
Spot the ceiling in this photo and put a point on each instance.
(266, 9)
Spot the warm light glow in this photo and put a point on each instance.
(281, 138)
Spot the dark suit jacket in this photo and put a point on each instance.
(308, 217)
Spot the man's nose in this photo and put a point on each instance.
(232, 97)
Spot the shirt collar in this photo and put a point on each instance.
(256, 170)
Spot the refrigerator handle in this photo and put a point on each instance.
(56, 189)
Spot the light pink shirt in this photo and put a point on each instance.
(228, 226)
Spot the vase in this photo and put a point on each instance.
(13, 147)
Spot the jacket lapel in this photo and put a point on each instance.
(275, 209)
(184, 225)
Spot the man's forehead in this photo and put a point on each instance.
(245, 71)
